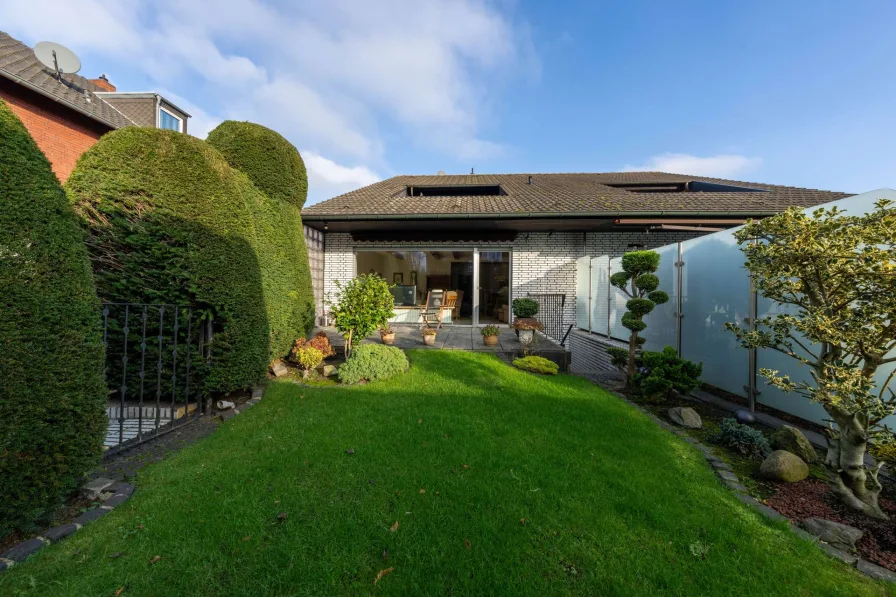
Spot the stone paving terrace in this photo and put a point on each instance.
(451, 338)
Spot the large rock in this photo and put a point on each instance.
(327, 370)
(792, 439)
(279, 369)
(686, 417)
(784, 466)
(838, 535)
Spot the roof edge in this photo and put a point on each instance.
(311, 217)
(27, 84)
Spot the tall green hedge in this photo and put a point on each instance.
(170, 221)
(267, 158)
(277, 169)
(52, 395)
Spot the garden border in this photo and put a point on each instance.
(730, 480)
(120, 491)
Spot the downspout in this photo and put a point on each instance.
(158, 111)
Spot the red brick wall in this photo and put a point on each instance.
(61, 133)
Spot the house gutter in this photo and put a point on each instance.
(57, 99)
(531, 215)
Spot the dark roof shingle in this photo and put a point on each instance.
(19, 64)
(574, 193)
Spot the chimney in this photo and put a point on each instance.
(103, 83)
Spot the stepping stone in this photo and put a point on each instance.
(93, 489)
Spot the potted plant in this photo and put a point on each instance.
(524, 308)
(526, 328)
(387, 335)
(490, 335)
(429, 335)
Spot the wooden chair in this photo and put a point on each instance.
(455, 314)
(437, 303)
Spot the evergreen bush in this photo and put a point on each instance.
(52, 394)
(169, 221)
(660, 372)
(524, 307)
(742, 438)
(276, 169)
(372, 362)
(536, 365)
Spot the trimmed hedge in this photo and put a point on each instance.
(275, 167)
(372, 362)
(271, 162)
(52, 394)
(536, 365)
(171, 222)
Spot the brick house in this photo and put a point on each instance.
(66, 115)
(517, 235)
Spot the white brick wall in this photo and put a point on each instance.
(542, 263)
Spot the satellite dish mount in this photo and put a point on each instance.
(57, 57)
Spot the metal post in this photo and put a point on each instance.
(187, 369)
(174, 366)
(476, 287)
(159, 369)
(142, 374)
(752, 390)
(124, 377)
(679, 275)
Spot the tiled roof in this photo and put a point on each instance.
(19, 64)
(551, 195)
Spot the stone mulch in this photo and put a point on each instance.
(732, 481)
(813, 498)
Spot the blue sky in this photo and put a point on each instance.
(798, 93)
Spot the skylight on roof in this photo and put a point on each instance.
(693, 186)
(464, 190)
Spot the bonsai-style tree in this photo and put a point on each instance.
(836, 274)
(361, 307)
(639, 283)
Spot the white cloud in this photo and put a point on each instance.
(325, 74)
(719, 166)
(327, 179)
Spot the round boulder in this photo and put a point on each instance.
(792, 439)
(685, 417)
(781, 465)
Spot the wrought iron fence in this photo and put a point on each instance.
(550, 313)
(156, 359)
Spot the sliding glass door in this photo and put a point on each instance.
(491, 273)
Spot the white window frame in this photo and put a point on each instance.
(180, 121)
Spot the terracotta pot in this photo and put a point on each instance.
(490, 340)
(388, 339)
(429, 340)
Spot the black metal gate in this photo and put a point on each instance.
(156, 359)
(550, 313)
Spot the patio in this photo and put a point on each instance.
(463, 338)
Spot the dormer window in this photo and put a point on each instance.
(479, 190)
(168, 120)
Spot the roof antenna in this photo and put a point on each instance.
(530, 179)
(471, 171)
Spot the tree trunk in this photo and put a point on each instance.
(630, 367)
(348, 345)
(845, 463)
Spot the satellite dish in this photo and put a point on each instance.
(57, 57)
(440, 173)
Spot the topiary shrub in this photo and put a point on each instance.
(639, 283)
(524, 307)
(536, 365)
(52, 394)
(372, 362)
(170, 221)
(742, 438)
(276, 169)
(659, 372)
(271, 162)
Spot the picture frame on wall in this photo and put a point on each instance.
(413, 278)
(398, 278)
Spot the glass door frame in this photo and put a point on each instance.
(477, 287)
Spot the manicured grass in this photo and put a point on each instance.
(533, 485)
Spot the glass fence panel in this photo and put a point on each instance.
(785, 365)
(600, 288)
(662, 322)
(715, 290)
(617, 304)
(583, 286)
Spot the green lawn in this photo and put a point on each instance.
(533, 485)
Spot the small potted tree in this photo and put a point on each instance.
(387, 335)
(523, 308)
(429, 335)
(490, 335)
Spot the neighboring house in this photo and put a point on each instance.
(67, 115)
(496, 237)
